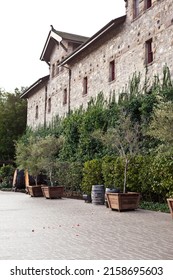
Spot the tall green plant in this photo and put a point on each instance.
(92, 175)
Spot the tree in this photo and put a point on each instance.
(12, 122)
(161, 126)
(124, 139)
(50, 147)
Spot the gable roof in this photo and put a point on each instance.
(34, 87)
(55, 37)
(113, 23)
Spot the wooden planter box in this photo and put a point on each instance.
(170, 204)
(52, 192)
(34, 191)
(123, 201)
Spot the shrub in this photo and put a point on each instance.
(92, 175)
(6, 176)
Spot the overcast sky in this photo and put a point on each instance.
(25, 24)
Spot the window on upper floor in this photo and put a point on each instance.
(135, 8)
(53, 70)
(112, 71)
(85, 85)
(65, 97)
(49, 105)
(36, 112)
(62, 68)
(149, 51)
(148, 4)
(57, 67)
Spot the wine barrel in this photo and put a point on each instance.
(98, 194)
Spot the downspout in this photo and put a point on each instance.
(69, 91)
(45, 106)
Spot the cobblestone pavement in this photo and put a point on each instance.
(68, 229)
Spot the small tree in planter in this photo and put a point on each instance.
(28, 155)
(50, 147)
(161, 128)
(124, 139)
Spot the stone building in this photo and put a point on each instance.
(80, 67)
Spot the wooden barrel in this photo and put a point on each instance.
(98, 194)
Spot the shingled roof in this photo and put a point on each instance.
(55, 36)
(35, 86)
(112, 24)
(70, 36)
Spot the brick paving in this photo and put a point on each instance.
(69, 229)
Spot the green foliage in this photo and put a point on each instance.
(116, 134)
(12, 122)
(92, 175)
(162, 174)
(69, 174)
(154, 206)
(6, 176)
(113, 172)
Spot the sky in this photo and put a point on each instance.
(24, 27)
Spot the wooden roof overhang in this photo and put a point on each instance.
(35, 87)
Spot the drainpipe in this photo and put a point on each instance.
(45, 106)
(69, 91)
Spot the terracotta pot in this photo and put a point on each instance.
(52, 192)
(123, 201)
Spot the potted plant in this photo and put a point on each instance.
(50, 146)
(124, 138)
(28, 154)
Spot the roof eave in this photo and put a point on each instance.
(119, 20)
(45, 51)
(29, 90)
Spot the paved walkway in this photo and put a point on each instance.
(68, 229)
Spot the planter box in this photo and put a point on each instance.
(170, 204)
(34, 191)
(123, 201)
(52, 192)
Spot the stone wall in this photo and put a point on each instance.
(126, 45)
(37, 99)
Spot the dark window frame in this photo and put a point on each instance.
(49, 105)
(148, 4)
(149, 51)
(65, 97)
(36, 112)
(85, 85)
(53, 70)
(111, 70)
(135, 8)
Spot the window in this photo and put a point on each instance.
(65, 97)
(49, 105)
(148, 4)
(53, 70)
(112, 71)
(36, 112)
(57, 67)
(62, 68)
(149, 51)
(85, 85)
(136, 8)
